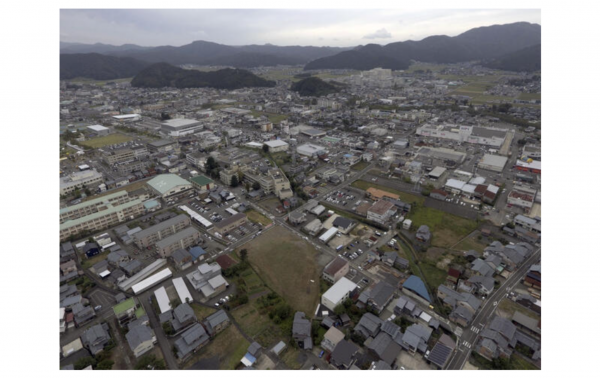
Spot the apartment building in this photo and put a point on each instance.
(151, 235)
(118, 156)
(93, 206)
(102, 219)
(78, 180)
(184, 239)
(270, 181)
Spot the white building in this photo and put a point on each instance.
(277, 145)
(88, 178)
(99, 130)
(470, 134)
(180, 127)
(494, 163)
(338, 293)
(310, 150)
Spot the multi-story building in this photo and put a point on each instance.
(163, 145)
(230, 223)
(272, 181)
(381, 211)
(227, 174)
(197, 160)
(183, 239)
(108, 216)
(93, 206)
(119, 156)
(151, 235)
(180, 127)
(336, 269)
(78, 180)
(470, 134)
(126, 168)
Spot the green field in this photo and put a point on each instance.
(530, 96)
(256, 217)
(202, 312)
(255, 322)
(360, 165)
(274, 118)
(106, 140)
(253, 282)
(229, 345)
(406, 197)
(447, 229)
(287, 265)
(434, 276)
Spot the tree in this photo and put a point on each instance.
(84, 362)
(339, 309)
(182, 155)
(150, 362)
(234, 181)
(265, 148)
(255, 186)
(244, 254)
(105, 365)
(247, 186)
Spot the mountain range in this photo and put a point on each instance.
(492, 45)
(160, 75)
(482, 43)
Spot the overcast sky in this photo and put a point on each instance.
(278, 27)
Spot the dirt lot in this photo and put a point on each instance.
(287, 265)
(506, 308)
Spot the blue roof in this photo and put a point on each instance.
(415, 284)
(197, 252)
(250, 358)
(348, 155)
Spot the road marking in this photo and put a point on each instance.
(468, 345)
(475, 329)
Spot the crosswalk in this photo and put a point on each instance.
(475, 329)
(467, 344)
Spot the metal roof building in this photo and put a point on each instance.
(168, 184)
(494, 163)
(416, 285)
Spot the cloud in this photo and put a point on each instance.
(381, 33)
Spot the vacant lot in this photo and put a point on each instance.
(406, 197)
(507, 308)
(202, 312)
(256, 217)
(229, 346)
(360, 165)
(256, 323)
(447, 229)
(106, 140)
(287, 264)
(434, 276)
(470, 243)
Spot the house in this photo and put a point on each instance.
(279, 348)
(91, 249)
(415, 338)
(481, 268)
(482, 285)
(297, 217)
(527, 324)
(127, 311)
(182, 259)
(118, 257)
(216, 322)
(438, 194)
(404, 306)
(384, 347)
(415, 288)
(378, 297)
(344, 355)
(198, 254)
(254, 349)
(68, 267)
(453, 276)
(423, 234)
(331, 339)
(183, 317)
(66, 252)
(190, 341)
(336, 269)
(301, 331)
(82, 314)
(529, 302)
(463, 305)
(442, 351)
(344, 225)
(368, 325)
(67, 291)
(95, 338)
(141, 339)
(338, 293)
(495, 338)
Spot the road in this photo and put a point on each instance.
(467, 340)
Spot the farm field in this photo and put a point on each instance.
(106, 140)
(287, 265)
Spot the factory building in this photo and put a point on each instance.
(469, 134)
(310, 150)
(179, 127)
(277, 146)
(494, 163)
(168, 185)
(99, 130)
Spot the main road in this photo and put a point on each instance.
(467, 340)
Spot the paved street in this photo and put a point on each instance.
(466, 341)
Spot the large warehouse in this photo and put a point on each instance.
(168, 185)
(470, 134)
(311, 150)
(494, 163)
(99, 130)
(180, 127)
(442, 154)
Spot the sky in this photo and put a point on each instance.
(283, 27)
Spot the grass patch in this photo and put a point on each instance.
(530, 96)
(256, 323)
(509, 308)
(360, 165)
(434, 276)
(290, 358)
(406, 197)
(470, 244)
(287, 264)
(256, 217)
(88, 263)
(106, 140)
(202, 312)
(229, 345)
(447, 229)
(519, 363)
